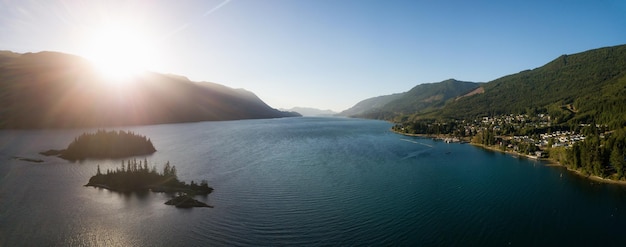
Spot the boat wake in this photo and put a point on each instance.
(411, 141)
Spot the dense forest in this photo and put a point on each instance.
(105, 144)
(602, 155)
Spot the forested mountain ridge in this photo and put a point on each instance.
(430, 95)
(56, 90)
(369, 104)
(421, 98)
(585, 87)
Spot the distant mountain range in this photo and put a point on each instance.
(310, 112)
(586, 87)
(421, 98)
(56, 90)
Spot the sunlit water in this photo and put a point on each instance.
(305, 181)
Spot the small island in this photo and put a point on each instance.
(136, 177)
(104, 144)
(27, 159)
(186, 201)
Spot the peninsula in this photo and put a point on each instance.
(105, 144)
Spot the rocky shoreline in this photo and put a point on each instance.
(186, 201)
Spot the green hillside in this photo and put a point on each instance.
(430, 95)
(579, 88)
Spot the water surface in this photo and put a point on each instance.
(304, 181)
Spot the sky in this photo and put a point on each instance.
(326, 54)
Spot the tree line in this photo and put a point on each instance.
(602, 157)
(137, 176)
(108, 144)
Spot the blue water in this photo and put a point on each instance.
(305, 181)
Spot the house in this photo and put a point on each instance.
(540, 154)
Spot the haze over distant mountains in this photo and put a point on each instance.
(310, 112)
(56, 90)
(580, 88)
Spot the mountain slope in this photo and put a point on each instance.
(583, 87)
(423, 97)
(370, 104)
(55, 90)
(430, 95)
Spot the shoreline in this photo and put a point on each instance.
(554, 163)
(434, 137)
(181, 201)
(549, 162)
(151, 188)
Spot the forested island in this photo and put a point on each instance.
(105, 144)
(136, 176)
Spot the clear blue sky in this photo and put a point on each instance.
(322, 53)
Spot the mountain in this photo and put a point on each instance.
(370, 104)
(307, 111)
(585, 87)
(56, 90)
(421, 98)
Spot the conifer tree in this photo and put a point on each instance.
(617, 161)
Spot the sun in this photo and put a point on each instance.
(119, 53)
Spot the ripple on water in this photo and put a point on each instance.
(306, 181)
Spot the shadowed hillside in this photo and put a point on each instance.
(55, 90)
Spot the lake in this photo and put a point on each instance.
(304, 181)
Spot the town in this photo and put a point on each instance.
(529, 135)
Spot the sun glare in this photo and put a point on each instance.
(119, 53)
